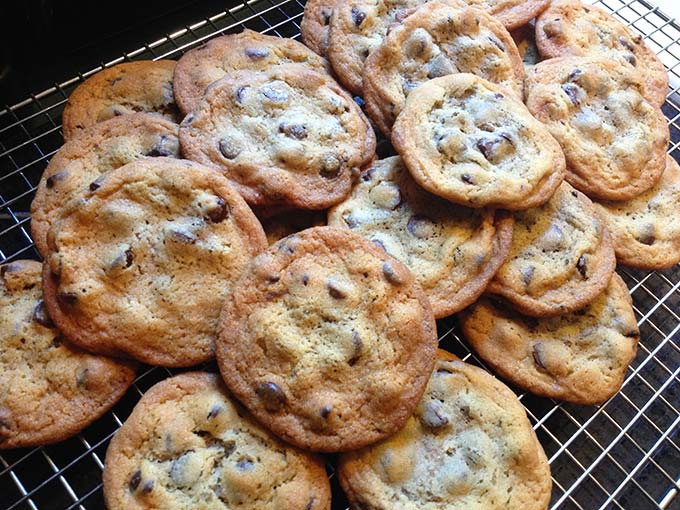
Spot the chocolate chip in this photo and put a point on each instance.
(229, 148)
(574, 92)
(581, 266)
(380, 244)
(527, 274)
(129, 257)
(297, 131)
(310, 505)
(330, 166)
(358, 17)
(57, 341)
(147, 487)
(159, 149)
(271, 395)
(497, 95)
(496, 43)
(326, 16)
(305, 279)
(274, 94)
(349, 220)
(539, 355)
(135, 480)
(240, 94)
(487, 146)
(325, 411)
(418, 225)
(357, 348)
(215, 410)
(440, 66)
(183, 236)
(67, 299)
(360, 101)
(82, 377)
(433, 417)
(630, 58)
(632, 334)
(466, 178)
(647, 239)
(390, 274)
(368, 175)
(41, 316)
(97, 183)
(54, 178)
(334, 290)
(245, 464)
(220, 212)
(257, 53)
(626, 43)
(575, 74)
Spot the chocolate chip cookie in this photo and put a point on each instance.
(248, 50)
(287, 223)
(141, 265)
(579, 357)
(561, 257)
(452, 251)
(471, 142)
(570, 28)
(288, 136)
(436, 40)
(315, 26)
(645, 231)
(107, 145)
(49, 390)
(141, 86)
(613, 139)
(469, 444)
(189, 444)
(327, 340)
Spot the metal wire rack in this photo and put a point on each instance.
(624, 454)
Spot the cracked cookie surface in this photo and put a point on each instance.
(141, 267)
(327, 340)
(469, 141)
(290, 136)
(436, 40)
(468, 444)
(614, 141)
(570, 28)
(248, 50)
(561, 256)
(107, 145)
(189, 444)
(130, 87)
(644, 230)
(579, 357)
(49, 390)
(453, 252)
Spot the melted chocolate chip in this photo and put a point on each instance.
(358, 17)
(55, 178)
(257, 53)
(539, 356)
(630, 58)
(574, 92)
(433, 417)
(326, 16)
(380, 244)
(297, 131)
(245, 464)
(528, 274)
(220, 212)
(310, 505)
(305, 279)
(581, 266)
(183, 236)
(214, 411)
(357, 348)
(417, 225)
(632, 334)
(159, 149)
(330, 166)
(647, 239)
(240, 94)
(67, 299)
(575, 74)
(325, 411)
(335, 291)
(496, 43)
(487, 147)
(626, 43)
(274, 94)
(390, 274)
(368, 175)
(349, 220)
(271, 395)
(440, 66)
(97, 183)
(228, 148)
(82, 378)
(135, 480)
(129, 257)
(466, 178)
(41, 316)
(147, 487)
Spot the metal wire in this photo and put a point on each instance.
(624, 454)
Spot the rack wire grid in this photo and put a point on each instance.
(624, 454)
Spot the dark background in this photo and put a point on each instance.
(48, 41)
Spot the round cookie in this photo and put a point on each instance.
(469, 141)
(561, 257)
(189, 444)
(468, 445)
(141, 266)
(141, 86)
(315, 25)
(49, 390)
(282, 225)
(328, 341)
(525, 40)
(290, 136)
(358, 27)
(570, 28)
(452, 251)
(614, 141)
(579, 357)
(644, 230)
(248, 50)
(107, 145)
(436, 40)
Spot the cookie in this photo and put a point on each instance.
(141, 266)
(282, 225)
(614, 141)
(107, 145)
(512, 13)
(580, 357)
(525, 40)
(570, 28)
(327, 340)
(315, 25)
(469, 141)
(469, 444)
(189, 444)
(452, 251)
(290, 136)
(436, 40)
(248, 50)
(49, 390)
(561, 257)
(141, 86)
(644, 230)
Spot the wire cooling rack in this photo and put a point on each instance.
(624, 454)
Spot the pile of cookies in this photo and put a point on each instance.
(231, 206)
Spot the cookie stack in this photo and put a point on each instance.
(150, 220)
